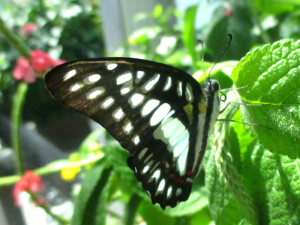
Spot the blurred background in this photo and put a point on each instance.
(162, 31)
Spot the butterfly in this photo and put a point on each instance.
(159, 113)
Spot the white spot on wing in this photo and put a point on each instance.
(189, 93)
(70, 74)
(140, 74)
(146, 168)
(161, 186)
(75, 87)
(123, 78)
(179, 88)
(136, 140)
(168, 84)
(178, 191)
(128, 128)
(149, 106)
(156, 175)
(111, 66)
(154, 167)
(160, 114)
(107, 102)
(142, 153)
(92, 79)
(94, 93)
(169, 114)
(148, 157)
(169, 192)
(125, 90)
(150, 84)
(136, 99)
(181, 162)
(118, 114)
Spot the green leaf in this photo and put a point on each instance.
(90, 206)
(116, 156)
(230, 202)
(189, 34)
(270, 76)
(158, 10)
(275, 7)
(130, 210)
(203, 217)
(196, 202)
(274, 183)
(154, 215)
(239, 25)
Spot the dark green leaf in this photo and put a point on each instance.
(127, 182)
(189, 34)
(273, 181)
(90, 206)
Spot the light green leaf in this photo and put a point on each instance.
(270, 76)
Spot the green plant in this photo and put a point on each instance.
(250, 171)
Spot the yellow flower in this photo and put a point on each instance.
(93, 146)
(68, 174)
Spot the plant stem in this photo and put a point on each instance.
(52, 168)
(14, 40)
(16, 121)
(59, 219)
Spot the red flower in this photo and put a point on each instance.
(24, 71)
(29, 182)
(58, 62)
(29, 28)
(41, 62)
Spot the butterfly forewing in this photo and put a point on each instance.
(153, 111)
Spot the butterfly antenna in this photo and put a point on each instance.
(218, 60)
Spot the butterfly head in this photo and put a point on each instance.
(211, 86)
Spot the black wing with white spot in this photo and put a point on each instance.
(157, 112)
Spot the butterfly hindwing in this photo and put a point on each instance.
(152, 109)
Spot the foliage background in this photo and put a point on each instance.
(244, 182)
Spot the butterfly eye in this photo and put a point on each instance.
(160, 114)
(215, 85)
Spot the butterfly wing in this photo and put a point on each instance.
(152, 109)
